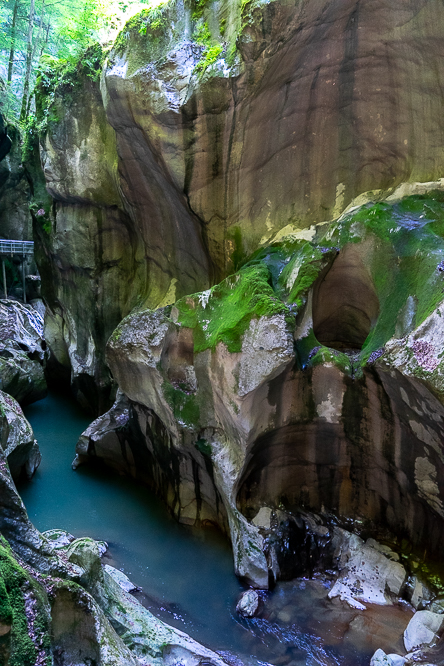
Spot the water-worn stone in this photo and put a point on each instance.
(397, 659)
(366, 574)
(423, 629)
(22, 352)
(121, 579)
(80, 632)
(248, 604)
(17, 438)
(380, 658)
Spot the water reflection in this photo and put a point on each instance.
(186, 575)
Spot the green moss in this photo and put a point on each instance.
(223, 314)
(5, 604)
(185, 405)
(238, 254)
(204, 447)
(62, 77)
(199, 7)
(23, 652)
(13, 582)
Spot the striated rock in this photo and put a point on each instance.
(422, 630)
(21, 376)
(22, 352)
(80, 631)
(186, 158)
(17, 439)
(248, 604)
(272, 391)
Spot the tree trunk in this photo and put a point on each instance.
(28, 63)
(13, 33)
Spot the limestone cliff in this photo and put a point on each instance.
(290, 387)
(215, 126)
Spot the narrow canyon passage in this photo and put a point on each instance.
(187, 576)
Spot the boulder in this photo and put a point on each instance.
(121, 579)
(248, 604)
(58, 539)
(367, 575)
(17, 439)
(380, 658)
(80, 632)
(423, 629)
(397, 659)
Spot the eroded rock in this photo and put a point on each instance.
(422, 630)
(17, 439)
(248, 604)
(22, 352)
(366, 574)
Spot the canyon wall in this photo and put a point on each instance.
(215, 127)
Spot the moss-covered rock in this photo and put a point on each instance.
(216, 128)
(247, 381)
(24, 608)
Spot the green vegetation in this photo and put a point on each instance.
(223, 314)
(14, 581)
(184, 405)
(406, 262)
(34, 29)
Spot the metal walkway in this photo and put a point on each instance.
(16, 247)
(11, 247)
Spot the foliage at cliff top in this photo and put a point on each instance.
(30, 29)
(212, 27)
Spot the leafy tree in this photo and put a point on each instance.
(62, 29)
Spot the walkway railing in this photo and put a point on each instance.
(16, 247)
(25, 248)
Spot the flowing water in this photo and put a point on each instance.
(187, 575)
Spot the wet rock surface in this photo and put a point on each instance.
(248, 604)
(187, 167)
(17, 439)
(22, 352)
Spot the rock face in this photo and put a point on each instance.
(422, 630)
(213, 129)
(22, 352)
(15, 189)
(367, 575)
(17, 439)
(257, 393)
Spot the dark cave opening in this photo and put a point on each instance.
(345, 304)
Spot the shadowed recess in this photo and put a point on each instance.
(345, 304)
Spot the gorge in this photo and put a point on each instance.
(238, 216)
